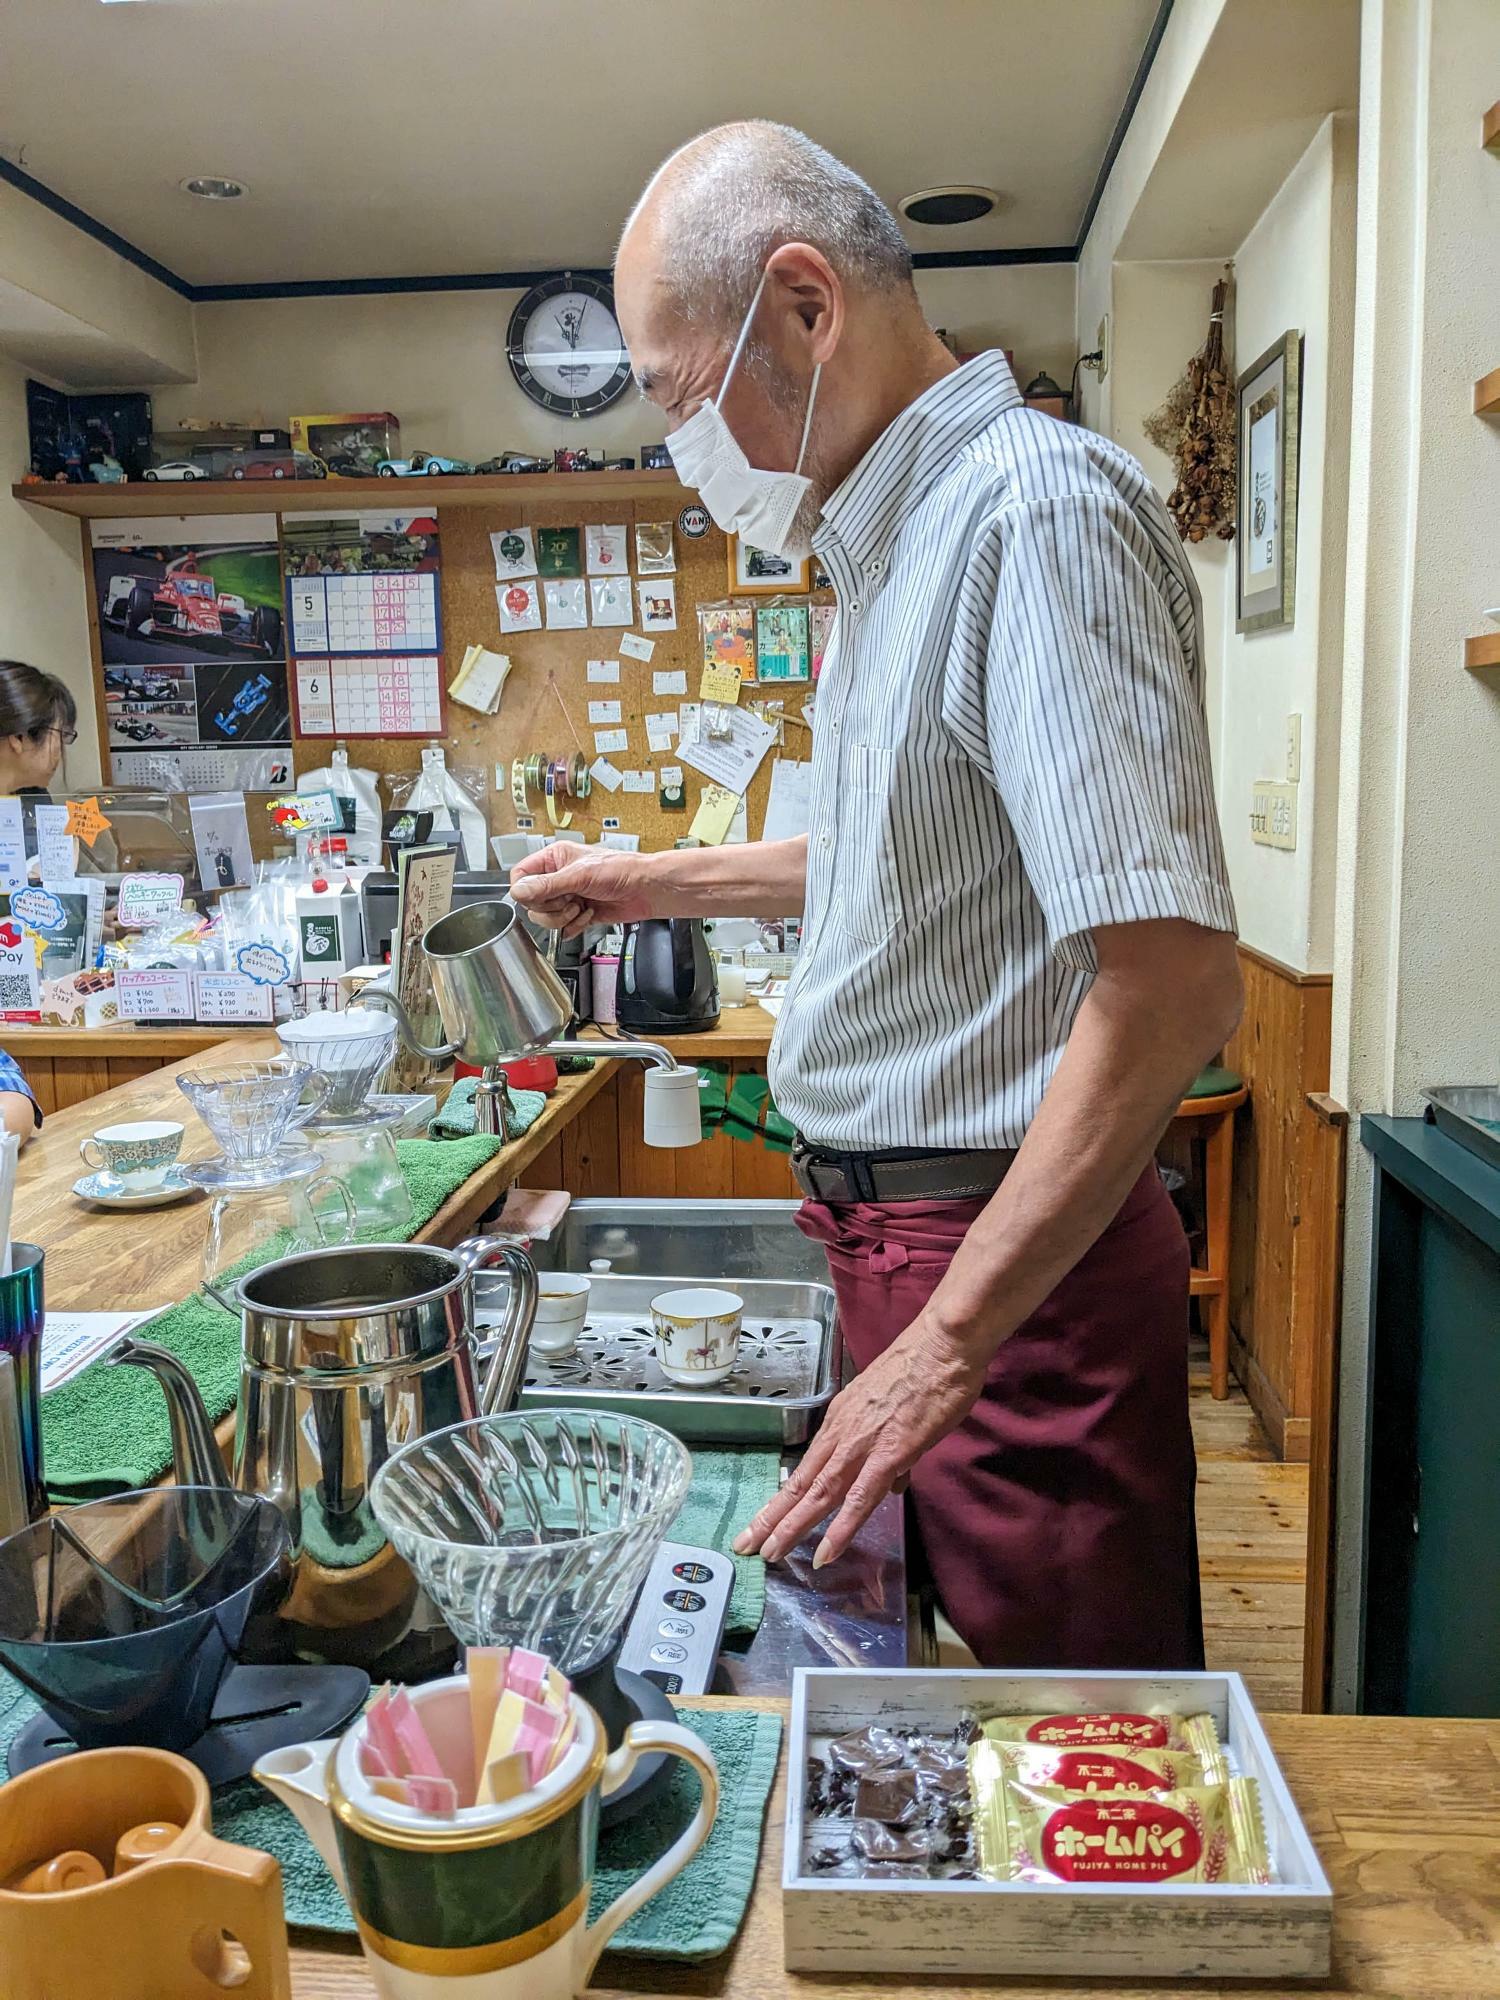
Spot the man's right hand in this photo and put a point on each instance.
(567, 887)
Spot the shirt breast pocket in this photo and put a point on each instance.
(867, 883)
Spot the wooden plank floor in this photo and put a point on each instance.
(1252, 1545)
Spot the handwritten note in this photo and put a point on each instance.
(604, 773)
(604, 711)
(715, 815)
(636, 648)
(671, 680)
(720, 684)
(607, 741)
(604, 671)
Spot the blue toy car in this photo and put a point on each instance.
(420, 462)
(252, 695)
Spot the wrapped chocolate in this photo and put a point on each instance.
(1109, 1730)
(1036, 1833)
(1107, 1770)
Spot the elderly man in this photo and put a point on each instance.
(1018, 947)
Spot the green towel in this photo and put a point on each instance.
(729, 1489)
(695, 1916)
(106, 1430)
(456, 1119)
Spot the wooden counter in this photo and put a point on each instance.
(99, 1258)
(1405, 1814)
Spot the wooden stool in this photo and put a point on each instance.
(1210, 1106)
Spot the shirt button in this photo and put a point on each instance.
(855, 606)
(877, 568)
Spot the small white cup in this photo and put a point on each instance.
(562, 1306)
(732, 986)
(137, 1155)
(697, 1335)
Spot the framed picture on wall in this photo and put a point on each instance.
(756, 571)
(1270, 422)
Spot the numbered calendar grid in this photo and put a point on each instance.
(384, 613)
(382, 695)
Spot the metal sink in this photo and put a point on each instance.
(686, 1239)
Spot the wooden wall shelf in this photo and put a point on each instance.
(152, 497)
(1491, 136)
(1482, 655)
(1487, 395)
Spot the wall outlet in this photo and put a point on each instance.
(1101, 341)
(1273, 813)
(1294, 749)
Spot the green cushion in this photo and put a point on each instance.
(1215, 1082)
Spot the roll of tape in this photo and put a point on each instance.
(536, 771)
(580, 778)
(518, 783)
(559, 820)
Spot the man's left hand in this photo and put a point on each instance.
(922, 1387)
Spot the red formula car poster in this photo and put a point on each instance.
(193, 639)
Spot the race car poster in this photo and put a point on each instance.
(193, 641)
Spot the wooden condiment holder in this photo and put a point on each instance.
(182, 1923)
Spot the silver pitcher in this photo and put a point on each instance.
(497, 995)
(347, 1355)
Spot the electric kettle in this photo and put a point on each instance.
(667, 983)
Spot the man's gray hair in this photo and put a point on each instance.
(729, 198)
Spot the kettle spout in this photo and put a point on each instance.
(196, 1459)
(298, 1776)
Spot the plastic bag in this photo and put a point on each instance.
(259, 931)
(347, 782)
(454, 795)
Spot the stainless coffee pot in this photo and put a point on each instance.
(347, 1355)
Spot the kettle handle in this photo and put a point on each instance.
(683, 969)
(502, 1379)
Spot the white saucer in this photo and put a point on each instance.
(104, 1190)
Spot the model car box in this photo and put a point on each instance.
(350, 445)
(961, 1925)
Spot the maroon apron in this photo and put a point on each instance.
(1057, 1520)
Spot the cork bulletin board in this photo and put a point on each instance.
(546, 665)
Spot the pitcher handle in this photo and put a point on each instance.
(243, 1892)
(502, 1378)
(641, 1738)
(351, 1213)
(320, 1085)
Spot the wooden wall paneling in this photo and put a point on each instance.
(78, 1078)
(1328, 1150)
(38, 1072)
(1282, 1051)
(125, 1069)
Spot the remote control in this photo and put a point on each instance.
(673, 1636)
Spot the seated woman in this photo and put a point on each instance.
(19, 1111)
(38, 721)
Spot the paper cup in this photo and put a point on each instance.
(697, 1335)
(562, 1306)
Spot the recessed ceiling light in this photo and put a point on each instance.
(213, 187)
(949, 204)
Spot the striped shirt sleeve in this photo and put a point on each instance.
(1094, 724)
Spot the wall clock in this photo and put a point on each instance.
(564, 346)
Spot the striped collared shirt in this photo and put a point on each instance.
(1009, 749)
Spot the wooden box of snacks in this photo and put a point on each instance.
(891, 1866)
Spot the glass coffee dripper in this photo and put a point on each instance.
(350, 1050)
(535, 1530)
(253, 1109)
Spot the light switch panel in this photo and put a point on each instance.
(1273, 813)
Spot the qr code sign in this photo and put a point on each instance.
(17, 994)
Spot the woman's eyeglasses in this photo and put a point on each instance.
(67, 737)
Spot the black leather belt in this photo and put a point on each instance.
(912, 1175)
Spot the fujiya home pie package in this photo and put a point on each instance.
(1111, 1770)
(1040, 1833)
(1159, 1730)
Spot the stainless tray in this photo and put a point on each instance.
(786, 1373)
(1469, 1113)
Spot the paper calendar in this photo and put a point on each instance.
(379, 695)
(365, 614)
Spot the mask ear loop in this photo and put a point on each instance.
(739, 345)
(812, 397)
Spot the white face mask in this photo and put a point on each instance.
(758, 506)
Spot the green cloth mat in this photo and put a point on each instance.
(729, 1489)
(456, 1119)
(695, 1916)
(106, 1430)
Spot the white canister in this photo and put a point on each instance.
(562, 1307)
(697, 1335)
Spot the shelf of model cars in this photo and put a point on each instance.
(136, 498)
